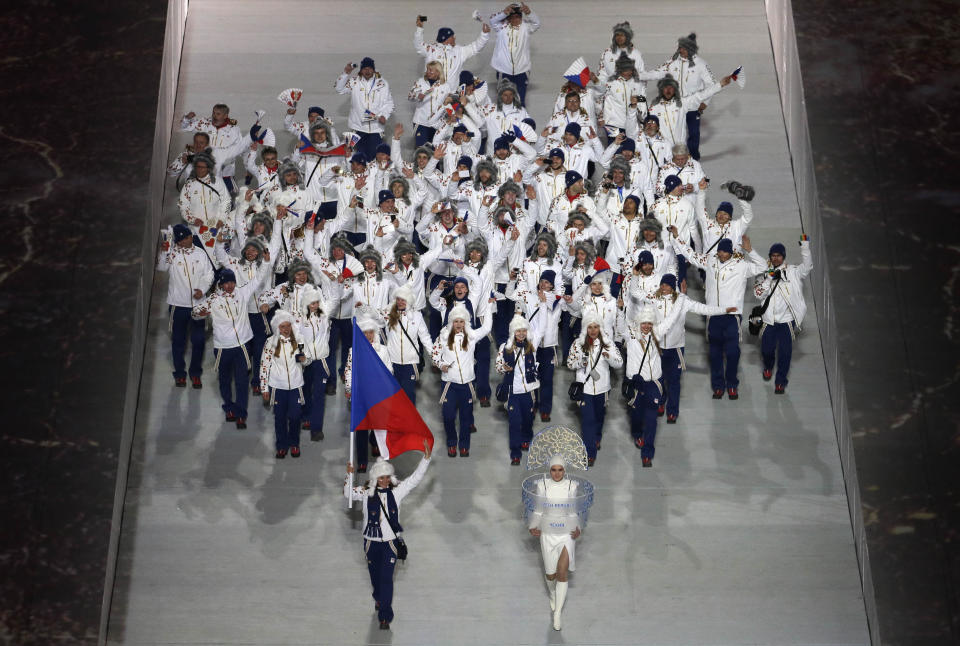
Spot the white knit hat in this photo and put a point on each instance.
(647, 315)
(405, 293)
(518, 323)
(282, 316)
(459, 312)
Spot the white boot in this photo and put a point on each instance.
(552, 589)
(561, 593)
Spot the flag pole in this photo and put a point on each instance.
(350, 475)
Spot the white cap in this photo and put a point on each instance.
(558, 461)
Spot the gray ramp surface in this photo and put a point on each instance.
(739, 534)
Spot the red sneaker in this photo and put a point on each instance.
(362, 468)
(197, 385)
(767, 374)
(451, 451)
(780, 389)
(231, 417)
(305, 425)
(464, 453)
(590, 461)
(647, 462)
(525, 446)
(732, 393)
(180, 382)
(544, 417)
(661, 410)
(671, 419)
(295, 452)
(718, 394)
(281, 454)
(514, 462)
(638, 442)
(241, 423)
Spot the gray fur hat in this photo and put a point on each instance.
(477, 244)
(258, 243)
(624, 63)
(297, 265)
(506, 211)
(485, 164)
(403, 246)
(577, 215)
(625, 29)
(340, 240)
(622, 165)
(502, 87)
(550, 239)
(588, 249)
(285, 168)
(265, 218)
(510, 185)
(321, 124)
(426, 149)
(689, 43)
(652, 224)
(664, 82)
(205, 156)
(369, 253)
(403, 181)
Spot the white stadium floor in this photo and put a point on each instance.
(739, 534)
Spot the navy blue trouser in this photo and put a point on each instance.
(184, 324)
(363, 439)
(356, 239)
(593, 410)
(368, 145)
(435, 320)
(502, 317)
(315, 394)
(406, 375)
(232, 376)
(723, 333)
(776, 345)
(260, 324)
(481, 368)
(458, 402)
(423, 135)
(547, 360)
(341, 334)
(520, 418)
(693, 133)
(643, 416)
(381, 560)
(569, 330)
(328, 210)
(672, 372)
(520, 80)
(286, 417)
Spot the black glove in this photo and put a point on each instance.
(777, 275)
(745, 193)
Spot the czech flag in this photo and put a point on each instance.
(377, 403)
(738, 77)
(306, 146)
(337, 151)
(578, 72)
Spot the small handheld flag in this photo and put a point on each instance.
(476, 15)
(262, 135)
(738, 77)
(260, 114)
(290, 96)
(578, 72)
(306, 147)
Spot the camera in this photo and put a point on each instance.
(777, 275)
(360, 202)
(422, 18)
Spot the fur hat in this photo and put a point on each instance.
(381, 468)
(203, 156)
(404, 246)
(689, 43)
(662, 83)
(405, 293)
(590, 317)
(502, 87)
(400, 179)
(506, 211)
(518, 323)
(490, 167)
(310, 295)
(477, 244)
(509, 185)
(267, 220)
(550, 239)
(280, 317)
(577, 215)
(425, 149)
(341, 240)
(624, 63)
(458, 312)
(367, 323)
(286, 167)
(320, 124)
(257, 243)
(369, 253)
(622, 165)
(297, 265)
(652, 224)
(625, 29)
(588, 249)
(647, 315)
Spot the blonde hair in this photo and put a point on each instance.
(441, 77)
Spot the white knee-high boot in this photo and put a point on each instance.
(552, 589)
(561, 597)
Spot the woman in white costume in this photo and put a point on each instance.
(556, 523)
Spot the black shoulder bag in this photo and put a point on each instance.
(399, 543)
(421, 364)
(629, 386)
(755, 322)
